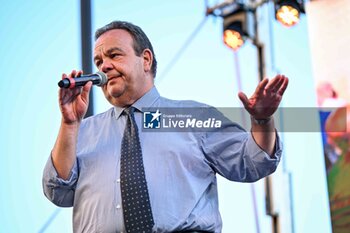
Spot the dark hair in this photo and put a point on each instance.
(141, 41)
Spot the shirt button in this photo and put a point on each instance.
(117, 206)
(118, 180)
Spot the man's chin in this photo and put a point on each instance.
(113, 92)
(116, 94)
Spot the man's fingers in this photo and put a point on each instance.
(86, 90)
(279, 83)
(283, 86)
(68, 95)
(79, 73)
(273, 83)
(72, 74)
(64, 76)
(261, 86)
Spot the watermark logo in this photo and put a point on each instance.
(180, 119)
(152, 120)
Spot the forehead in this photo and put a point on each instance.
(114, 38)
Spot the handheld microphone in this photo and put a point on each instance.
(98, 79)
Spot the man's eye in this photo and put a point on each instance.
(113, 55)
(98, 63)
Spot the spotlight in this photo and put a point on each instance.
(288, 11)
(235, 29)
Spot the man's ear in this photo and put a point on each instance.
(147, 59)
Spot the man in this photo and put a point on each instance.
(87, 168)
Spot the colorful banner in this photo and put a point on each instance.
(329, 34)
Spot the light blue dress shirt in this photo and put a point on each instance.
(180, 171)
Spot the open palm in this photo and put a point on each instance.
(266, 98)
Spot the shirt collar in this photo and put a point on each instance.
(146, 100)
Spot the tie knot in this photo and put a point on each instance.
(129, 111)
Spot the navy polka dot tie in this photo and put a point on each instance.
(136, 205)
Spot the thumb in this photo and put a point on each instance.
(243, 98)
(86, 91)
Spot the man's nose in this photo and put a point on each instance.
(106, 66)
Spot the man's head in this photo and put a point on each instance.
(140, 39)
(124, 53)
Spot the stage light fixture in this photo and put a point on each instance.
(235, 29)
(288, 11)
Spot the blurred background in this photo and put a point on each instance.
(40, 40)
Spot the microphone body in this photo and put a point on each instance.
(98, 79)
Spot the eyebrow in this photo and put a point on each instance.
(109, 51)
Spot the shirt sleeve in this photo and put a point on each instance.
(57, 190)
(234, 154)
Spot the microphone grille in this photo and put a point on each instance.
(103, 77)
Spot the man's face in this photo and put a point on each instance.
(129, 75)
